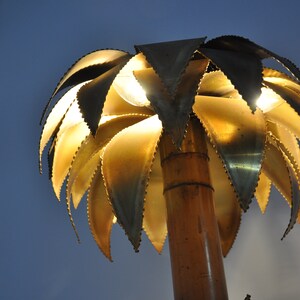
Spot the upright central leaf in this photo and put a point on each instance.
(174, 113)
(170, 59)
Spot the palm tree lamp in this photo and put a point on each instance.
(176, 139)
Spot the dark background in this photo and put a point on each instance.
(39, 255)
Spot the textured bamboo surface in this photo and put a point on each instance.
(195, 251)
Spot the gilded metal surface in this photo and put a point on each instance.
(173, 111)
(243, 70)
(100, 214)
(279, 170)
(83, 179)
(56, 116)
(126, 167)
(289, 95)
(239, 138)
(95, 115)
(170, 59)
(91, 97)
(262, 191)
(115, 105)
(93, 144)
(241, 44)
(218, 85)
(228, 211)
(155, 223)
(288, 143)
(70, 135)
(285, 116)
(89, 67)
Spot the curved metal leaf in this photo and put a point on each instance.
(262, 191)
(71, 133)
(295, 201)
(100, 214)
(288, 144)
(242, 69)
(65, 149)
(55, 118)
(240, 44)
(89, 67)
(239, 139)
(290, 96)
(286, 116)
(116, 105)
(278, 77)
(216, 84)
(228, 211)
(282, 175)
(91, 97)
(170, 59)
(83, 179)
(92, 145)
(126, 166)
(155, 214)
(274, 166)
(173, 112)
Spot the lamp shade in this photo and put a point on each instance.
(104, 132)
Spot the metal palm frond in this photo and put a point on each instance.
(105, 138)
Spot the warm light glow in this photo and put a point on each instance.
(127, 163)
(268, 100)
(104, 119)
(127, 86)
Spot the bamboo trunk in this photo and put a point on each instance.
(196, 256)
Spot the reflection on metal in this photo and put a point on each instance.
(104, 136)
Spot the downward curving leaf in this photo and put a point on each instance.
(91, 97)
(295, 201)
(89, 67)
(83, 179)
(239, 138)
(228, 211)
(65, 149)
(92, 145)
(262, 191)
(56, 116)
(282, 175)
(240, 44)
(126, 167)
(216, 84)
(290, 96)
(116, 105)
(242, 69)
(287, 143)
(155, 214)
(71, 133)
(286, 116)
(100, 214)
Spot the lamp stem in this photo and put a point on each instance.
(194, 243)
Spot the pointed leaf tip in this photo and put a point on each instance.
(242, 69)
(174, 112)
(238, 138)
(86, 68)
(127, 162)
(91, 97)
(170, 59)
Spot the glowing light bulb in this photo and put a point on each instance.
(127, 86)
(268, 100)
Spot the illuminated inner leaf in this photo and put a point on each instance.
(126, 167)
